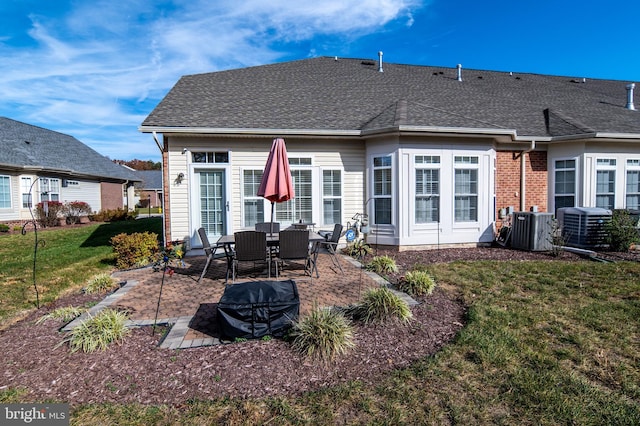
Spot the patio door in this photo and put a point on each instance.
(212, 202)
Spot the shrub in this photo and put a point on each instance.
(74, 209)
(322, 335)
(382, 265)
(99, 284)
(113, 215)
(99, 331)
(622, 231)
(134, 249)
(47, 213)
(417, 283)
(358, 249)
(66, 314)
(4, 227)
(380, 305)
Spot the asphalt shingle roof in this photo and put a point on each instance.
(24, 146)
(352, 95)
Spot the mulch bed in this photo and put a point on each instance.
(139, 371)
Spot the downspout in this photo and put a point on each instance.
(165, 189)
(523, 184)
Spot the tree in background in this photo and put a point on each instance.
(136, 164)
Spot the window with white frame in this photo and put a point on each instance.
(605, 183)
(210, 157)
(253, 205)
(5, 192)
(382, 185)
(25, 189)
(427, 187)
(565, 183)
(466, 188)
(49, 189)
(331, 197)
(633, 184)
(300, 207)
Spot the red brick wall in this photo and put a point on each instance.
(508, 180)
(111, 196)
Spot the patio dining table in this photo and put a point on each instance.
(273, 240)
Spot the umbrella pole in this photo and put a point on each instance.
(272, 210)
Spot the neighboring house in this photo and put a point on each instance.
(432, 154)
(150, 189)
(37, 165)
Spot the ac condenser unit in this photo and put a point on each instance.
(532, 231)
(584, 227)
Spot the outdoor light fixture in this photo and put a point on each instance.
(179, 178)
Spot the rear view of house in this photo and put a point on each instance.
(433, 155)
(38, 165)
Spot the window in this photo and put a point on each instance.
(332, 196)
(27, 200)
(466, 189)
(565, 183)
(301, 207)
(633, 184)
(49, 189)
(5, 192)
(427, 189)
(253, 204)
(605, 183)
(210, 157)
(382, 184)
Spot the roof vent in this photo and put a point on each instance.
(380, 61)
(630, 105)
(459, 67)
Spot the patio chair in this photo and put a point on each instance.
(210, 252)
(331, 244)
(294, 247)
(267, 227)
(250, 246)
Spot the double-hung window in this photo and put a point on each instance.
(253, 205)
(427, 187)
(301, 207)
(331, 196)
(466, 188)
(5, 192)
(565, 183)
(49, 189)
(633, 184)
(382, 184)
(25, 189)
(605, 183)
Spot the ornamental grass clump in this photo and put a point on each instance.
(96, 333)
(380, 305)
(383, 265)
(417, 283)
(322, 335)
(65, 314)
(100, 283)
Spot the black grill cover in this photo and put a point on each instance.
(258, 308)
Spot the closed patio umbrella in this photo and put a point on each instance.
(277, 184)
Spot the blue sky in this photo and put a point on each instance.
(95, 69)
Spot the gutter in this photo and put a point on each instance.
(244, 131)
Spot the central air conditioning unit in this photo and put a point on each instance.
(532, 231)
(584, 227)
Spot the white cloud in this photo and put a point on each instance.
(104, 65)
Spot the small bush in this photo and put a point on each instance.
(417, 283)
(65, 314)
(134, 249)
(74, 209)
(47, 213)
(380, 305)
(622, 231)
(113, 215)
(322, 335)
(96, 333)
(101, 283)
(4, 227)
(358, 249)
(383, 265)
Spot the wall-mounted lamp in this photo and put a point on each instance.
(184, 150)
(179, 178)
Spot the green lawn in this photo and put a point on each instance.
(66, 259)
(545, 343)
